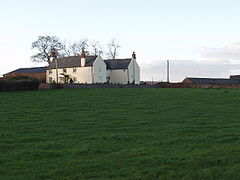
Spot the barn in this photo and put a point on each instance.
(194, 80)
(35, 72)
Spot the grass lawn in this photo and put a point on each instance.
(120, 134)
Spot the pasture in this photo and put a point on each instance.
(120, 134)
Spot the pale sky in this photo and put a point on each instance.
(201, 38)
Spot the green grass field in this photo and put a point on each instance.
(120, 134)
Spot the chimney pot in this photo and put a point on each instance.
(53, 53)
(83, 55)
(133, 55)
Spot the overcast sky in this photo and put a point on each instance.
(201, 38)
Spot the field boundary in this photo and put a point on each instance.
(204, 86)
(160, 85)
(67, 86)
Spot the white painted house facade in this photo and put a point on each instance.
(93, 69)
(123, 71)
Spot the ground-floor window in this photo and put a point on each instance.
(50, 79)
(108, 79)
(62, 79)
(74, 79)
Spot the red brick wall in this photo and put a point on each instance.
(41, 76)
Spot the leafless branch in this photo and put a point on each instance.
(45, 44)
(113, 47)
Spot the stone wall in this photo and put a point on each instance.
(66, 86)
(50, 86)
(187, 85)
(160, 85)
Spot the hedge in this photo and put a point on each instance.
(19, 84)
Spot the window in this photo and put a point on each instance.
(64, 70)
(62, 79)
(108, 79)
(50, 79)
(49, 71)
(74, 69)
(74, 79)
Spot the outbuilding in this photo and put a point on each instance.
(35, 72)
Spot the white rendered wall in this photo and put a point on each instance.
(118, 76)
(82, 74)
(134, 72)
(52, 75)
(99, 71)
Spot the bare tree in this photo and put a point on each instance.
(113, 47)
(67, 51)
(45, 44)
(73, 49)
(96, 48)
(83, 45)
(78, 47)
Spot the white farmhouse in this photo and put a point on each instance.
(81, 69)
(123, 71)
(93, 69)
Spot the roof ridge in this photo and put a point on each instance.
(72, 61)
(117, 59)
(77, 56)
(204, 78)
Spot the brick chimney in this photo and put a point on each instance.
(53, 54)
(83, 59)
(133, 55)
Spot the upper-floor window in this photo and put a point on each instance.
(64, 70)
(74, 69)
(49, 71)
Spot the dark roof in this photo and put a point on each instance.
(30, 70)
(235, 77)
(72, 61)
(117, 63)
(213, 81)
